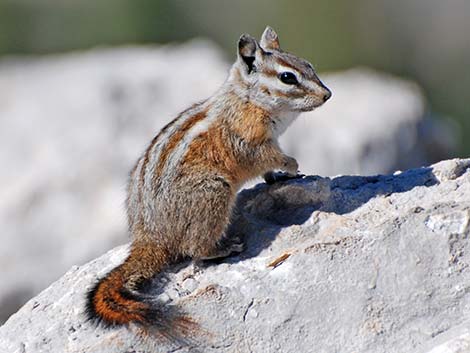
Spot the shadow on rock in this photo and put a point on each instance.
(265, 209)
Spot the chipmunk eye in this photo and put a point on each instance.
(288, 78)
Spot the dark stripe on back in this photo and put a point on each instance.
(157, 138)
(174, 140)
(150, 147)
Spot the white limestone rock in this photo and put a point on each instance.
(375, 264)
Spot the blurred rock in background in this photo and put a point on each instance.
(73, 125)
(424, 40)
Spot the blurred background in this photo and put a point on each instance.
(84, 85)
(426, 40)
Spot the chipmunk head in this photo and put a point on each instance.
(277, 80)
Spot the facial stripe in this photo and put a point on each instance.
(277, 88)
(285, 65)
(290, 94)
(270, 72)
(265, 90)
(281, 68)
(269, 81)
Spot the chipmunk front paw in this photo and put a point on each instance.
(290, 166)
(275, 177)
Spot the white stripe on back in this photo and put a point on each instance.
(169, 171)
(148, 200)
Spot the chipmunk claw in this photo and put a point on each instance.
(237, 248)
(233, 244)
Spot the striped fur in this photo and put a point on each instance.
(182, 190)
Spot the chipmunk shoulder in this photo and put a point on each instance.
(182, 190)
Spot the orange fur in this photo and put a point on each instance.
(108, 298)
(175, 139)
(252, 124)
(210, 151)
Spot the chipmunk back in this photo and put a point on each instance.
(182, 190)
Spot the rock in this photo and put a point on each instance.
(347, 264)
(455, 340)
(74, 125)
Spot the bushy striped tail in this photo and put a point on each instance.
(112, 302)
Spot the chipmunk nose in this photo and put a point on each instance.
(327, 95)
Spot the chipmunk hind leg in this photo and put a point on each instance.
(209, 216)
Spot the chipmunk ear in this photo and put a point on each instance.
(269, 39)
(247, 50)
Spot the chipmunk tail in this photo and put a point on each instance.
(111, 302)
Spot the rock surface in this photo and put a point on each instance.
(74, 124)
(347, 264)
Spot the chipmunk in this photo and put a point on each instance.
(182, 190)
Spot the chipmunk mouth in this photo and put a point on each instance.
(309, 109)
(312, 103)
(316, 100)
